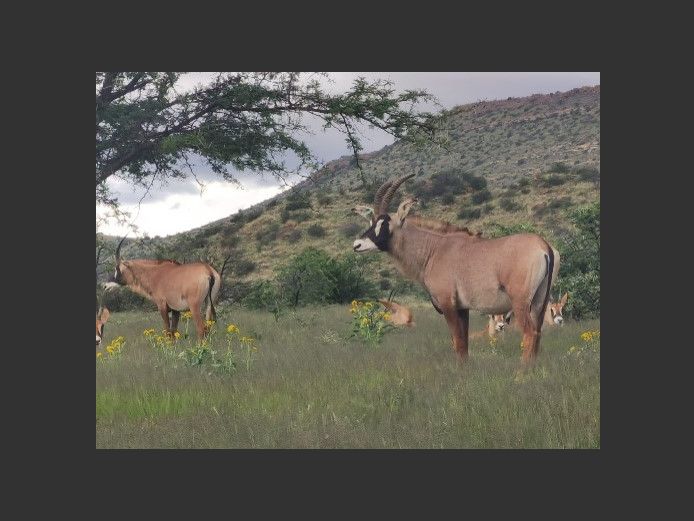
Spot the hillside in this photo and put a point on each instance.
(508, 162)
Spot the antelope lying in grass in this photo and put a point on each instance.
(495, 325)
(101, 318)
(462, 271)
(399, 315)
(172, 286)
(553, 315)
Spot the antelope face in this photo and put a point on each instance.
(556, 310)
(499, 322)
(376, 237)
(101, 319)
(117, 278)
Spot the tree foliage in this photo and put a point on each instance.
(147, 128)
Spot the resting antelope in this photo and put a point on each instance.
(101, 318)
(399, 315)
(553, 315)
(462, 271)
(495, 325)
(172, 286)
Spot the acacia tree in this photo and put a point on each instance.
(146, 129)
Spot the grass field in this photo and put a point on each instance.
(310, 386)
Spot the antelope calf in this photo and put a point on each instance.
(101, 318)
(553, 315)
(495, 325)
(463, 271)
(399, 315)
(172, 286)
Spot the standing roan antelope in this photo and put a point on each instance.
(171, 286)
(553, 315)
(101, 318)
(462, 271)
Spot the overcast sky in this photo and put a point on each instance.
(182, 205)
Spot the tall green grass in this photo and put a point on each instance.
(313, 387)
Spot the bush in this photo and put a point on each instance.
(469, 213)
(551, 180)
(244, 267)
(267, 235)
(523, 181)
(542, 209)
(315, 277)
(294, 236)
(385, 284)
(324, 199)
(448, 199)
(316, 230)
(351, 230)
(509, 204)
(559, 168)
(481, 196)
(297, 200)
(588, 174)
(580, 263)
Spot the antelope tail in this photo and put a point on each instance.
(549, 259)
(212, 293)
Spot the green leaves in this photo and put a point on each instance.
(249, 120)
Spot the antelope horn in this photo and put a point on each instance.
(391, 192)
(118, 249)
(379, 195)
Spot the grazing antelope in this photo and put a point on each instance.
(463, 271)
(399, 315)
(553, 315)
(171, 286)
(101, 318)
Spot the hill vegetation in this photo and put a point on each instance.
(521, 164)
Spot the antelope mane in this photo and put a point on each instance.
(442, 227)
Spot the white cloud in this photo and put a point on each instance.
(181, 212)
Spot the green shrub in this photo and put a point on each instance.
(481, 196)
(509, 204)
(244, 267)
(469, 213)
(542, 209)
(316, 230)
(267, 235)
(297, 200)
(351, 230)
(448, 199)
(294, 236)
(550, 180)
(559, 168)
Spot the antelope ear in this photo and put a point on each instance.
(103, 315)
(405, 208)
(508, 316)
(365, 211)
(565, 298)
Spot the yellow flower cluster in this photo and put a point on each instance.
(148, 332)
(231, 328)
(209, 323)
(590, 335)
(187, 315)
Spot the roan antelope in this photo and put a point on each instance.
(463, 271)
(553, 315)
(172, 286)
(495, 325)
(101, 318)
(399, 315)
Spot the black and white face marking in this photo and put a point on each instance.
(115, 280)
(376, 237)
(99, 334)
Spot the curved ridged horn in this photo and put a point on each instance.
(118, 250)
(379, 195)
(391, 192)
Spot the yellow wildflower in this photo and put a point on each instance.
(364, 322)
(110, 349)
(148, 332)
(209, 323)
(369, 305)
(231, 328)
(386, 316)
(187, 315)
(587, 336)
(177, 335)
(99, 354)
